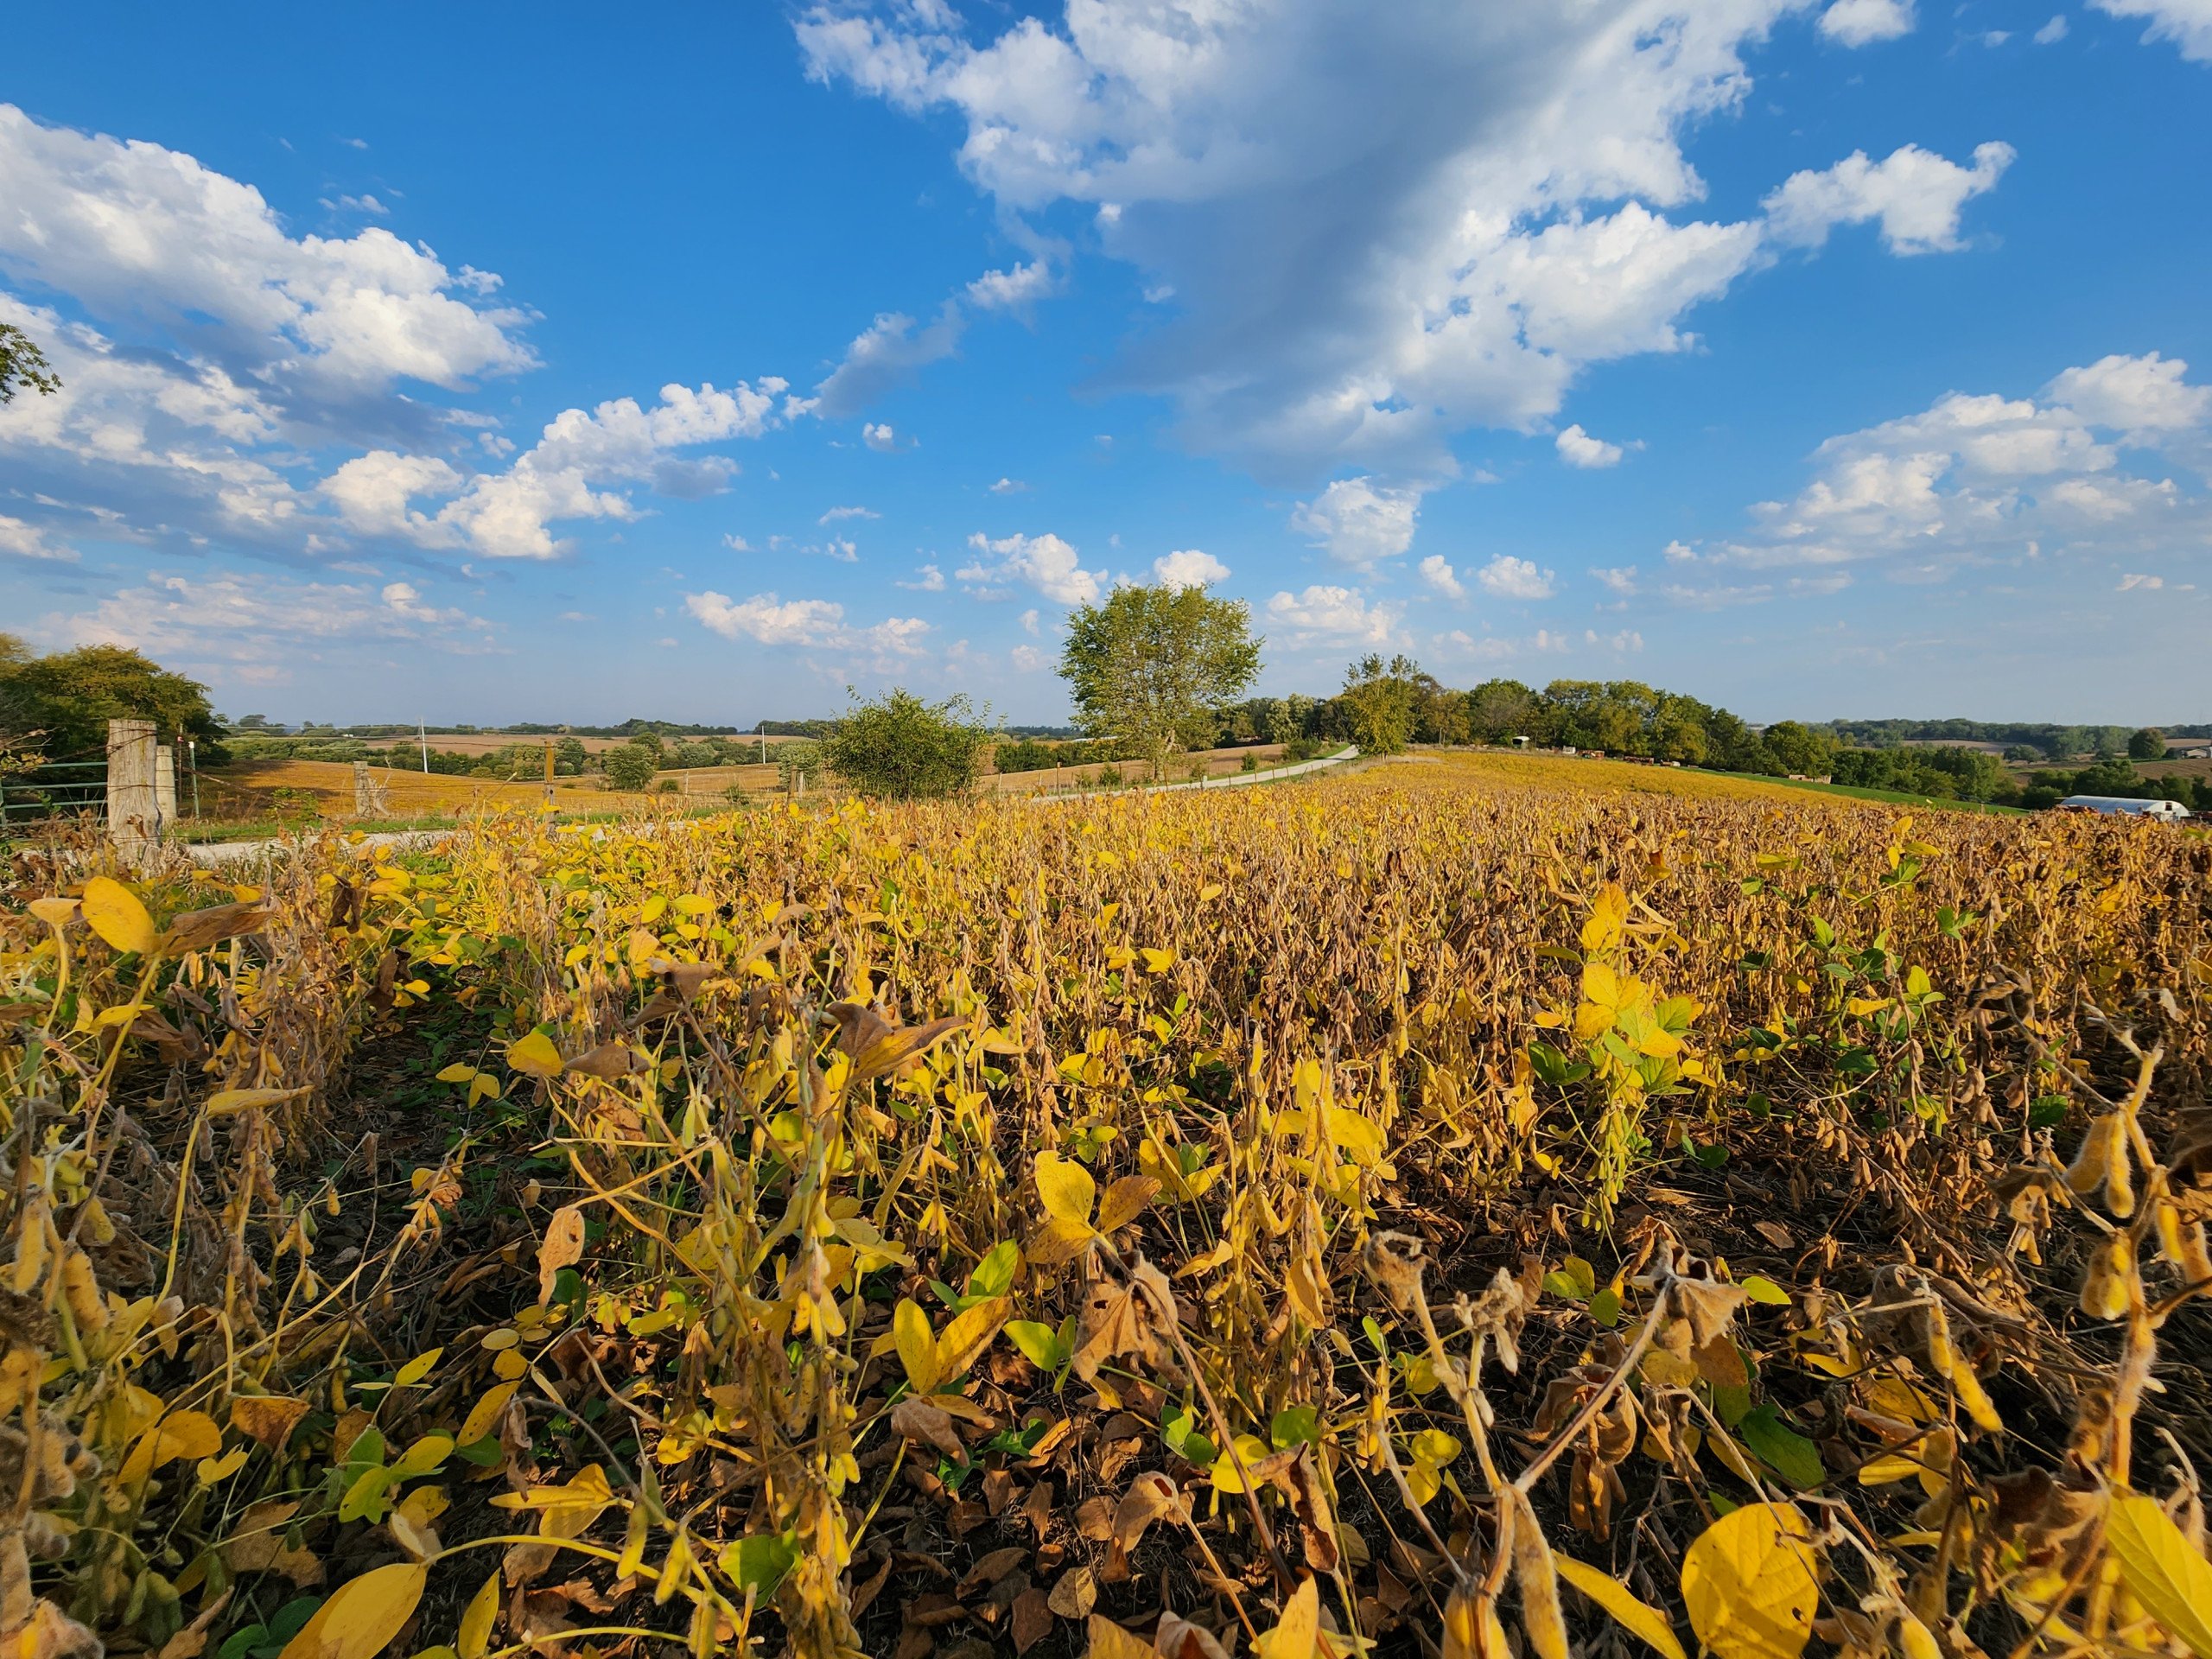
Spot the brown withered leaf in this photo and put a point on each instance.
(257, 1545)
(993, 1568)
(1119, 1319)
(195, 930)
(1075, 1593)
(1178, 1638)
(562, 1247)
(927, 1425)
(877, 1048)
(267, 1418)
(608, 1061)
(1033, 1619)
(1150, 1496)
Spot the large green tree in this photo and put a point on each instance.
(68, 698)
(1152, 666)
(1381, 702)
(901, 748)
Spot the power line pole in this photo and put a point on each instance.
(423, 736)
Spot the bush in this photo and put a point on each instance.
(902, 748)
(1109, 777)
(670, 786)
(629, 768)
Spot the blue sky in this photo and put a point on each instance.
(1817, 359)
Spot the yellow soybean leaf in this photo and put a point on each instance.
(968, 1334)
(1125, 1200)
(1356, 1136)
(362, 1615)
(485, 1414)
(117, 916)
(1638, 1618)
(1109, 1641)
(211, 1470)
(1748, 1583)
(917, 1345)
(1608, 918)
(457, 1073)
(534, 1056)
(181, 1434)
(416, 1369)
(1297, 1634)
(1066, 1190)
(2163, 1570)
(475, 1638)
(224, 1103)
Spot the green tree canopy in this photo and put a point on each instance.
(2148, 744)
(1381, 702)
(898, 747)
(630, 766)
(70, 695)
(1152, 666)
(1798, 748)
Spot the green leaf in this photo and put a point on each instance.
(994, 1274)
(1039, 1343)
(1296, 1426)
(1795, 1458)
(760, 1563)
(1605, 1307)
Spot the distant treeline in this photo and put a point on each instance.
(2052, 743)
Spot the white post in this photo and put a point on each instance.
(165, 791)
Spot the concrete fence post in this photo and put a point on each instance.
(134, 808)
(165, 788)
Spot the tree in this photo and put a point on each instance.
(903, 749)
(2148, 744)
(1151, 665)
(71, 695)
(1500, 710)
(1380, 702)
(629, 767)
(22, 364)
(1800, 750)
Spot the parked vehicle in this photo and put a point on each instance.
(2125, 805)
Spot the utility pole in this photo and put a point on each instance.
(549, 772)
(423, 736)
(763, 729)
(192, 760)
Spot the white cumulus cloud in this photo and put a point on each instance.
(880, 437)
(1044, 562)
(1378, 224)
(2187, 24)
(885, 356)
(1511, 578)
(1360, 522)
(1578, 449)
(1861, 23)
(1916, 194)
(1438, 573)
(1324, 614)
(1188, 568)
(813, 624)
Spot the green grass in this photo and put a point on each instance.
(1894, 796)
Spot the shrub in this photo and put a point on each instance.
(901, 748)
(629, 768)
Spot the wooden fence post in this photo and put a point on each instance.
(165, 789)
(134, 810)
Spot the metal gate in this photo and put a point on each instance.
(51, 789)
